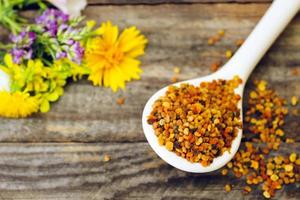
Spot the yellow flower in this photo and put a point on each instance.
(35, 73)
(112, 58)
(90, 23)
(28, 77)
(17, 104)
(16, 72)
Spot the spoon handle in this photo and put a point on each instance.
(261, 38)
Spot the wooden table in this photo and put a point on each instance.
(59, 155)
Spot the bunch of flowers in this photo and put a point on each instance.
(42, 56)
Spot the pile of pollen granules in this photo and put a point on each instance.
(198, 123)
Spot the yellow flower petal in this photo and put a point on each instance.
(96, 77)
(45, 106)
(8, 60)
(17, 104)
(5, 69)
(110, 32)
(117, 79)
(132, 43)
(131, 68)
(53, 96)
(106, 78)
(90, 23)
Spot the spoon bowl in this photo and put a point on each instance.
(242, 64)
(171, 157)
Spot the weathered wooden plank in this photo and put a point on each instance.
(76, 171)
(153, 2)
(177, 37)
(85, 120)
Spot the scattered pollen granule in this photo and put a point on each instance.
(228, 54)
(121, 101)
(174, 79)
(198, 123)
(267, 194)
(295, 71)
(215, 38)
(227, 187)
(106, 158)
(215, 66)
(247, 189)
(239, 42)
(294, 100)
(224, 172)
(221, 32)
(210, 41)
(176, 70)
(289, 141)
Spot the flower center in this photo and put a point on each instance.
(113, 56)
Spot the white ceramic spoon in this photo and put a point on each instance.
(242, 63)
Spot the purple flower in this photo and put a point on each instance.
(70, 42)
(51, 20)
(31, 37)
(60, 55)
(24, 39)
(58, 35)
(17, 55)
(28, 54)
(63, 27)
(22, 45)
(78, 52)
(73, 50)
(18, 38)
(52, 16)
(20, 54)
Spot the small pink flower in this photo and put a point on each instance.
(70, 7)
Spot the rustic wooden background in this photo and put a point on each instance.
(59, 155)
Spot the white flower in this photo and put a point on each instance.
(70, 7)
(4, 81)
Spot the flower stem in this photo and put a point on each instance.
(5, 46)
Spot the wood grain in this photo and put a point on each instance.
(177, 37)
(154, 2)
(76, 171)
